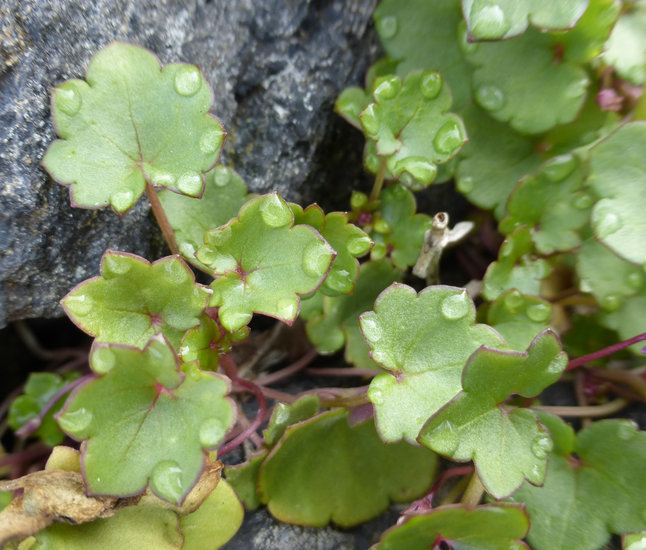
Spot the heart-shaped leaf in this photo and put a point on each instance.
(325, 470)
(507, 446)
(263, 262)
(425, 340)
(498, 19)
(133, 300)
(146, 420)
(130, 123)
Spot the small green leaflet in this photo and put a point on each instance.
(263, 262)
(190, 217)
(497, 527)
(411, 126)
(325, 470)
(602, 492)
(132, 122)
(507, 446)
(498, 19)
(626, 47)
(618, 176)
(628, 318)
(133, 300)
(516, 267)
(425, 340)
(145, 419)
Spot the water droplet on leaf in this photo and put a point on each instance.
(162, 179)
(371, 329)
(218, 237)
(387, 88)
(222, 176)
(340, 281)
(635, 280)
(611, 302)
(233, 320)
(582, 201)
(456, 307)
(190, 183)
(490, 97)
(211, 140)
(376, 396)
(287, 308)
(316, 259)
(605, 220)
(514, 300)
(431, 84)
(449, 138)
(626, 430)
(539, 313)
(274, 212)
(187, 250)
(122, 200)
(166, 480)
(387, 26)
(68, 99)
(76, 422)
(419, 168)
(358, 246)
(223, 262)
(79, 304)
(559, 168)
(103, 359)
(211, 432)
(115, 265)
(541, 446)
(188, 80)
(369, 120)
(466, 184)
(488, 20)
(175, 272)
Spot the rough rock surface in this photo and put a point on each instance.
(276, 67)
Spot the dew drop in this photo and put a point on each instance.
(222, 176)
(211, 140)
(211, 432)
(233, 320)
(635, 280)
(174, 272)
(611, 302)
(466, 184)
(166, 480)
(103, 359)
(218, 237)
(190, 183)
(340, 281)
(68, 99)
(287, 308)
(387, 88)
(431, 84)
(605, 220)
(115, 265)
(205, 255)
(626, 430)
(490, 97)
(371, 329)
(514, 300)
(539, 313)
(79, 304)
(444, 438)
(358, 246)
(541, 446)
(449, 138)
(122, 200)
(76, 422)
(187, 250)
(559, 168)
(316, 259)
(488, 21)
(188, 80)
(455, 307)
(376, 396)
(274, 212)
(536, 472)
(387, 27)
(582, 201)
(162, 179)
(369, 120)
(419, 168)
(372, 162)
(382, 357)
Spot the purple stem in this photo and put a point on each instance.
(426, 502)
(34, 423)
(35, 451)
(575, 363)
(288, 371)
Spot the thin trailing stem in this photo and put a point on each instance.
(579, 361)
(281, 374)
(162, 219)
(379, 180)
(474, 491)
(590, 411)
(344, 371)
(626, 377)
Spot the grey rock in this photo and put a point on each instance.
(276, 67)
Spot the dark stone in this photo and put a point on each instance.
(276, 68)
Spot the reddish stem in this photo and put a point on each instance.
(288, 371)
(579, 361)
(426, 502)
(35, 451)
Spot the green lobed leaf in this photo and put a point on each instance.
(493, 161)
(406, 229)
(608, 277)
(145, 419)
(411, 126)
(224, 194)
(40, 388)
(133, 300)
(498, 527)
(603, 493)
(552, 203)
(507, 446)
(263, 263)
(130, 123)
(520, 81)
(424, 35)
(325, 470)
(286, 415)
(339, 323)
(425, 339)
(563, 435)
(498, 19)
(628, 320)
(519, 318)
(626, 47)
(244, 479)
(348, 241)
(617, 176)
(516, 267)
(351, 102)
